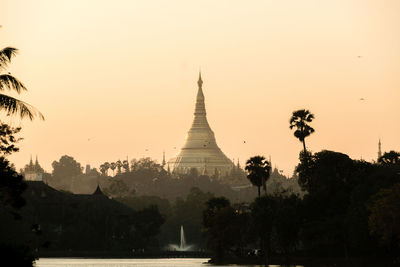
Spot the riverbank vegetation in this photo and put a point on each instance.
(348, 214)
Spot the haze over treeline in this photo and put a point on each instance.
(127, 69)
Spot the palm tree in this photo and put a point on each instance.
(125, 165)
(258, 172)
(119, 166)
(107, 167)
(104, 168)
(299, 120)
(113, 165)
(10, 104)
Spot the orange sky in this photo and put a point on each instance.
(123, 74)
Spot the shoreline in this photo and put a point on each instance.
(313, 261)
(124, 255)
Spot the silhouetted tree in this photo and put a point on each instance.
(391, 157)
(117, 188)
(11, 185)
(67, 167)
(125, 165)
(287, 222)
(218, 220)
(263, 213)
(103, 169)
(14, 242)
(113, 165)
(118, 165)
(7, 139)
(299, 120)
(10, 104)
(107, 167)
(384, 220)
(258, 172)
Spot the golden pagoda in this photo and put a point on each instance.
(200, 150)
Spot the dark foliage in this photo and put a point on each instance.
(8, 139)
(258, 172)
(300, 121)
(66, 167)
(10, 104)
(14, 232)
(350, 210)
(390, 158)
(11, 186)
(384, 219)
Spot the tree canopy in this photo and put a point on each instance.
(300, 121)
(258, 172)
(8, 82)
(67, 166)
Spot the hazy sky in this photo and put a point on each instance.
(114, 78)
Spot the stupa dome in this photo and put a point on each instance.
(200, 150)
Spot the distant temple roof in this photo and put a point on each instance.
(98, 191)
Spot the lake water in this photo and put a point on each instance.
(68, 262)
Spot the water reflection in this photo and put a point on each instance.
(182, 262)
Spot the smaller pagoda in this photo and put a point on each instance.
(33, 172)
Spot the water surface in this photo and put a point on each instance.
(177, 262)
(77, 262)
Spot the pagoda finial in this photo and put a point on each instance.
(379, 149)
(163, 160)
(200, 81)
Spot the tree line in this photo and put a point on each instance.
(349, 213)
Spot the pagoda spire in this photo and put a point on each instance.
(200, 109)
(379, 149)
(163, 160)
(200, 81)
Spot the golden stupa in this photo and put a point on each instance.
(200, 150)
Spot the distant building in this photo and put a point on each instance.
(33, 172)
(200, 150)
(87, 169)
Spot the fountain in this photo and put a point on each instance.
(182, 246)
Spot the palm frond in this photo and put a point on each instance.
(14, 106)
(5, 56)
(9, 82)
